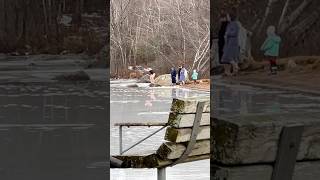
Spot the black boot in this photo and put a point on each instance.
(274, 69)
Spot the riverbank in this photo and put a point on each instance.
(303, 81)
(299, 73)
(45, 68)
(201, 85)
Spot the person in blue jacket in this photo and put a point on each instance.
(173, 76)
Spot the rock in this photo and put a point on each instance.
(64, 52)
(292, 66)
(163, 80)
(144, 79)
(154, 85)
(74, 76)
(132, 85)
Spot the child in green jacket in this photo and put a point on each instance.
(271, 47)
(194, 76)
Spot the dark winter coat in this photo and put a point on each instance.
(173, 76)
(231, 48)
(221, 39)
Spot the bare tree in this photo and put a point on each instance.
(160, 34)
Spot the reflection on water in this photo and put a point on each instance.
(53, 132)
(238, 99)
(148, 105)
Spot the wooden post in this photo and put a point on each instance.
(287, 153)
(120, 139)
(161, 173)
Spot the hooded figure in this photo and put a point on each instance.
(231, 48)
(186, 76)
(194, 76)
(271, 45)
(221, 37)
(173, 75)
(179, 71)
(182, 75)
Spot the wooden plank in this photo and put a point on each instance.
(183, 135)
(148, 124)
(178, 120)
(189, 105)
(303, 171)
(152, 160)
(170, 150)
(114, 162)
(164, 163)
(137, 160)
(254, 139)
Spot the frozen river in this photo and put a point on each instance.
(53, 131)
(231, 99)
(148, 105)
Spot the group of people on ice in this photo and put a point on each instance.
(229, 45)
(180, 76)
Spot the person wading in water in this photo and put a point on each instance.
(152, 77)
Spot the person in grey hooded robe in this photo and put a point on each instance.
(231, 49)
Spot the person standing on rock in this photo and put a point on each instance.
(271, 47)
(173, 76)
(179, 71)
(194, 76)
(231, 50)
(186, 75)
(182, 75)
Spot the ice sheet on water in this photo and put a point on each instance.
(123, 81)
(125, 102)
(152, 113)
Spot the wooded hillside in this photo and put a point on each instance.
(52, 26)
(160, 34)
(297, 22)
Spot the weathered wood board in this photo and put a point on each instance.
(186, 120)
(152, 160)
(169, 150)
(189, 105)
(303, 171)
(144, 124)
(183, 135)
(254, 139)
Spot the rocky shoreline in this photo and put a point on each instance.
(50, 68)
